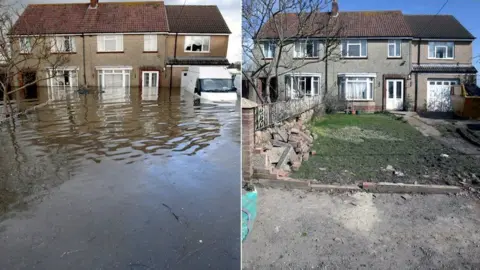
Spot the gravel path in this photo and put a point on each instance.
(301, 230)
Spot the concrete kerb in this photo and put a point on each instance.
(382, 187)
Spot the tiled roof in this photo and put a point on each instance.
(196, 19)
(119, 17)
(348, 24)
(210, 61)
(439, 26)
(444, 68)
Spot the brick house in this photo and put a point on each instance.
(123, 44)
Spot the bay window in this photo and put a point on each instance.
(110, 43)
(302, 85)
(441, 50)
(268, 49)
(63, 77)
(354, 48)
(197, 44)
(114, 77)
(356, 88)
(394, 48)
(306, 49)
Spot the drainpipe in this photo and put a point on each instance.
(171, 66)
(84, 65)
(416, 74)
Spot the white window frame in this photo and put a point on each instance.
(125, 71)
(51, 82)
(58, 44)
(396, 43)
(438, 44)
(204, 44)
(354, 42)
(344, 82)
(101, 39)
(268, 49)
(314, 78)
(303, 51)
(25, 45)
(150, 43)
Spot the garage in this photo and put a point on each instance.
(438, 94)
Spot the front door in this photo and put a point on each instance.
(150, 78)
(395, 95)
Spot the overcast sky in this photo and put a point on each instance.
(231, 11)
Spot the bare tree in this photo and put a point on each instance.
(30, 51)
(279, 24)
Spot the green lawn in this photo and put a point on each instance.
(357, 148)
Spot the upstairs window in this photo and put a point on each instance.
(268, 49)
(110, 43)
(150, 43)
(64, 44)
(354, 48)
(394, 49)
(441, 50)
(197, 44)
(25, 45)
(306, 49)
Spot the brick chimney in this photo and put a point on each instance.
(93, 4)
(334, 12)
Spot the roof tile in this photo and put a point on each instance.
(437, 26)
(196, 19)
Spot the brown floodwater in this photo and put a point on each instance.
(121, 179)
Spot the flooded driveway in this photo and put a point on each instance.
(121, 179)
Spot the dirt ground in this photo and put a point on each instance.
(303, 230)
(381, 148)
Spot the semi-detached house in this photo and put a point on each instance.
(125, 44)
(378, 64)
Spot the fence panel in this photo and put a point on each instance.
(267, 115)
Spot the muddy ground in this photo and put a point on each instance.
(363, 231)
(381, 148)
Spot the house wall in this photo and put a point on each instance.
(218, 46)
(132, 55)
(376, 62)
(463, 53)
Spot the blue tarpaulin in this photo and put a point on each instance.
(249, 212)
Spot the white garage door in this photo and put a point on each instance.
(438, 95)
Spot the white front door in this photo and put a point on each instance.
(395, 94)
(438, 95)
(150, 78)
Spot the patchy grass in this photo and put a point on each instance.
(356, 148)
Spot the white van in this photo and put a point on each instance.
(210, 83)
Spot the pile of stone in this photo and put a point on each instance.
(285, 146)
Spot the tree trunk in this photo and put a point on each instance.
(267, 89)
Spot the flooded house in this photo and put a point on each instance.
(119, 45)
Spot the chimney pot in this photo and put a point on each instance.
(334, 8)
(93, 3)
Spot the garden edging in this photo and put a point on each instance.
(382, 187)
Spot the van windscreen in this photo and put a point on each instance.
(216, 85)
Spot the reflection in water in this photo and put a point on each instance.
(123, 125)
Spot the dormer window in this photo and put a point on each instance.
(64, 44)
(441, 50)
